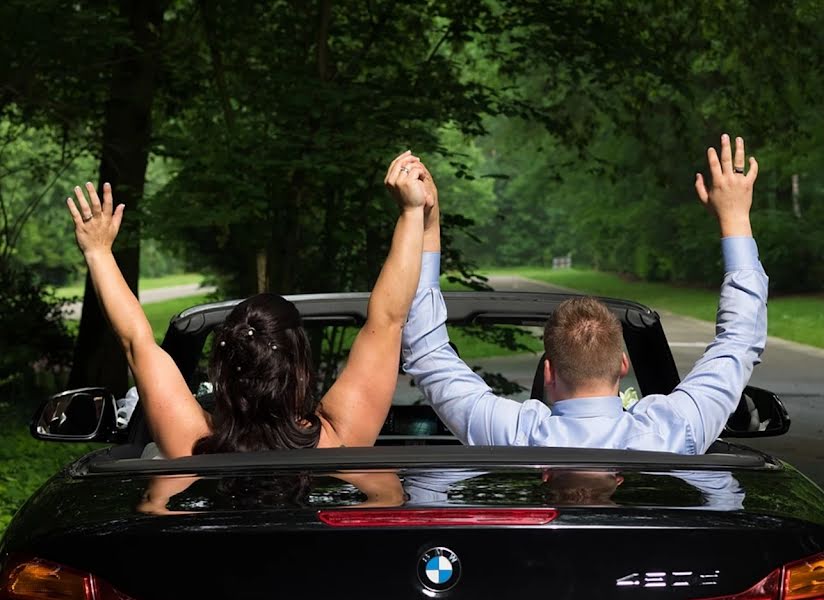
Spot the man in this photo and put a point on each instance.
(585, 359)
(719, 490)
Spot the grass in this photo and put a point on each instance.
(471, 344)
(26, 463)
(795, 318)
(477, 343)
(160, 313)
(146, 283)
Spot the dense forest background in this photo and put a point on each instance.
(249, 142)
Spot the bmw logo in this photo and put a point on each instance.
(439, 569)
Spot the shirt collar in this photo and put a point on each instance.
(600, 406)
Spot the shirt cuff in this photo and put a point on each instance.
(740, 253)
(430, 271)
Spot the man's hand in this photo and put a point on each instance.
(730, 197)
(404, 180)
(95, 226)
(432, 215)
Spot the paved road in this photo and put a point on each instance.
(793, 371)
(72, 311)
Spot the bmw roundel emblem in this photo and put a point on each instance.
(439, 569)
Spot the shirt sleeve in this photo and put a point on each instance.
(460, 397)
(720, 490)
(710, 392)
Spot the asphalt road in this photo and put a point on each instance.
(795, 372)
(72, 311)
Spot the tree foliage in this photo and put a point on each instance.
(611, 181)
(553, 128)
(281, 147)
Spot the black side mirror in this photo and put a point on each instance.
(760, 413)
(81, 415)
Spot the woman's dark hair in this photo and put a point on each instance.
(261, 370)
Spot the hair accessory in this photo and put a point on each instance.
(251, 331)
(222, 343)
(274, 346)
(237, 369)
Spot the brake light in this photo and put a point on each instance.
(436, 517)
(804, 579)
(768, 588)
(800, 580)
(38, 579)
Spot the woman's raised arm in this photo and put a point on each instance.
(175, 417)
(357, 404)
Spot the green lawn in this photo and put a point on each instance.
(146, 283)
(25, 463)
(159, 313)
(473, 344)
(796, 318)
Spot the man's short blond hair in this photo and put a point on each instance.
(583, 341)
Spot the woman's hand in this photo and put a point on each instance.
(405, 181)
(95, 226)
(357, 405)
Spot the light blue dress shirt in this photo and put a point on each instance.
(687, 421)
(719, 489)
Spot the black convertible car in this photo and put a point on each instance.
(419, 515)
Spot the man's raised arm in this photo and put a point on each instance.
(710, 393)
(462, 399)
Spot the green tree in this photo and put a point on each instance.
(282, 148)
(631, 108)
(89, 69)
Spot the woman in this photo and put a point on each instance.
(260, 364)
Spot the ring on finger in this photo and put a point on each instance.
(404, 170)
(738, 170)
(87, 218)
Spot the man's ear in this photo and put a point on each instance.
(549, 374)
(624, 365)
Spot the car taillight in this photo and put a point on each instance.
(804, 579)
(38, 579)
(800, 580)
(436, 517)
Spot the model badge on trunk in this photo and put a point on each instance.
(439, 569)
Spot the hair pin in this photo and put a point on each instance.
(274, 346)
(251, 331)
(222, 343)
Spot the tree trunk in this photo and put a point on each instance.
(262, 272)
(796, 196)
(322, 44)
(98, 358)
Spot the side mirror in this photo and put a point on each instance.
(81, 415)
(760, 413)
